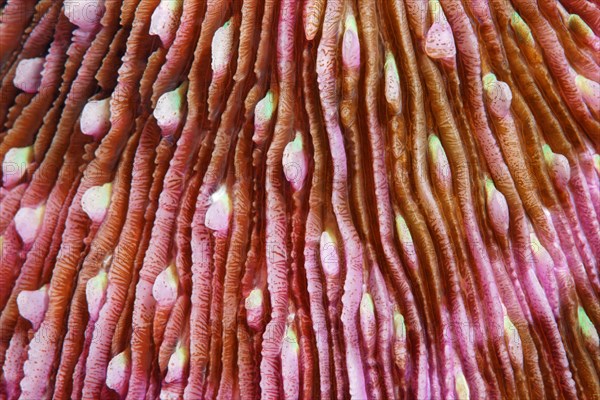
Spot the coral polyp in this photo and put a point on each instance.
(299, 199)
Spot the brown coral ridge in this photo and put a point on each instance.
(299, 199)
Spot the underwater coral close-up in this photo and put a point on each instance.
(300, 199)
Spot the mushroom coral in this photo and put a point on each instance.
(299, 199)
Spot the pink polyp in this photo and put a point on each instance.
(95, 118)
(86, 14)
(95, 294)
(558, 166)
(118, 371)
(33, 305)
(28, 222)
(590, 91)
(290, 369)
(313, 11)
(177, 364)
(169, 110)
(406, 240)
(545, 271)
(255, 309)
(222, 47)
(218, 214)
(439, 42)
(442, 175)
(513, 342)
(165, 288)
(95, 201)
(498, 95)
(330, 258)
(368, 325)
(392, 91)
(351, 44)
(295, 163)
(497, 209)
(15, 164)
(164, 21)
(28, 76)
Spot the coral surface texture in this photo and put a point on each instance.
(300, 199)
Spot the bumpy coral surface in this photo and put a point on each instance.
(300, 199)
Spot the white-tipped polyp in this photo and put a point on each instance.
(406, 240)
(586, 325)
(28, 222)
(290, 363)
(439, 40)
(461, 386)
(441, 167)
(399, 325)
(177, 364)
(95, 293)
(222, 48)
(28, 76)
(263, 112)
(86, 14)
(32, 305)
(513, 342)
(164, 21)
(590, 91)
(117, 372)
(15, 164)
(254, 305)
(330, 258)
(368, 325)
(497, 208)
(95, 118)
(351, 44)
(95, 201)
(558, 165)
(169, 110)
(218, 214)
(498, 95)
(540, 255)
(392, 83)
(295, 163)
(166, 286)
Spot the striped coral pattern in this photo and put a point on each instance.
(299, 199)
